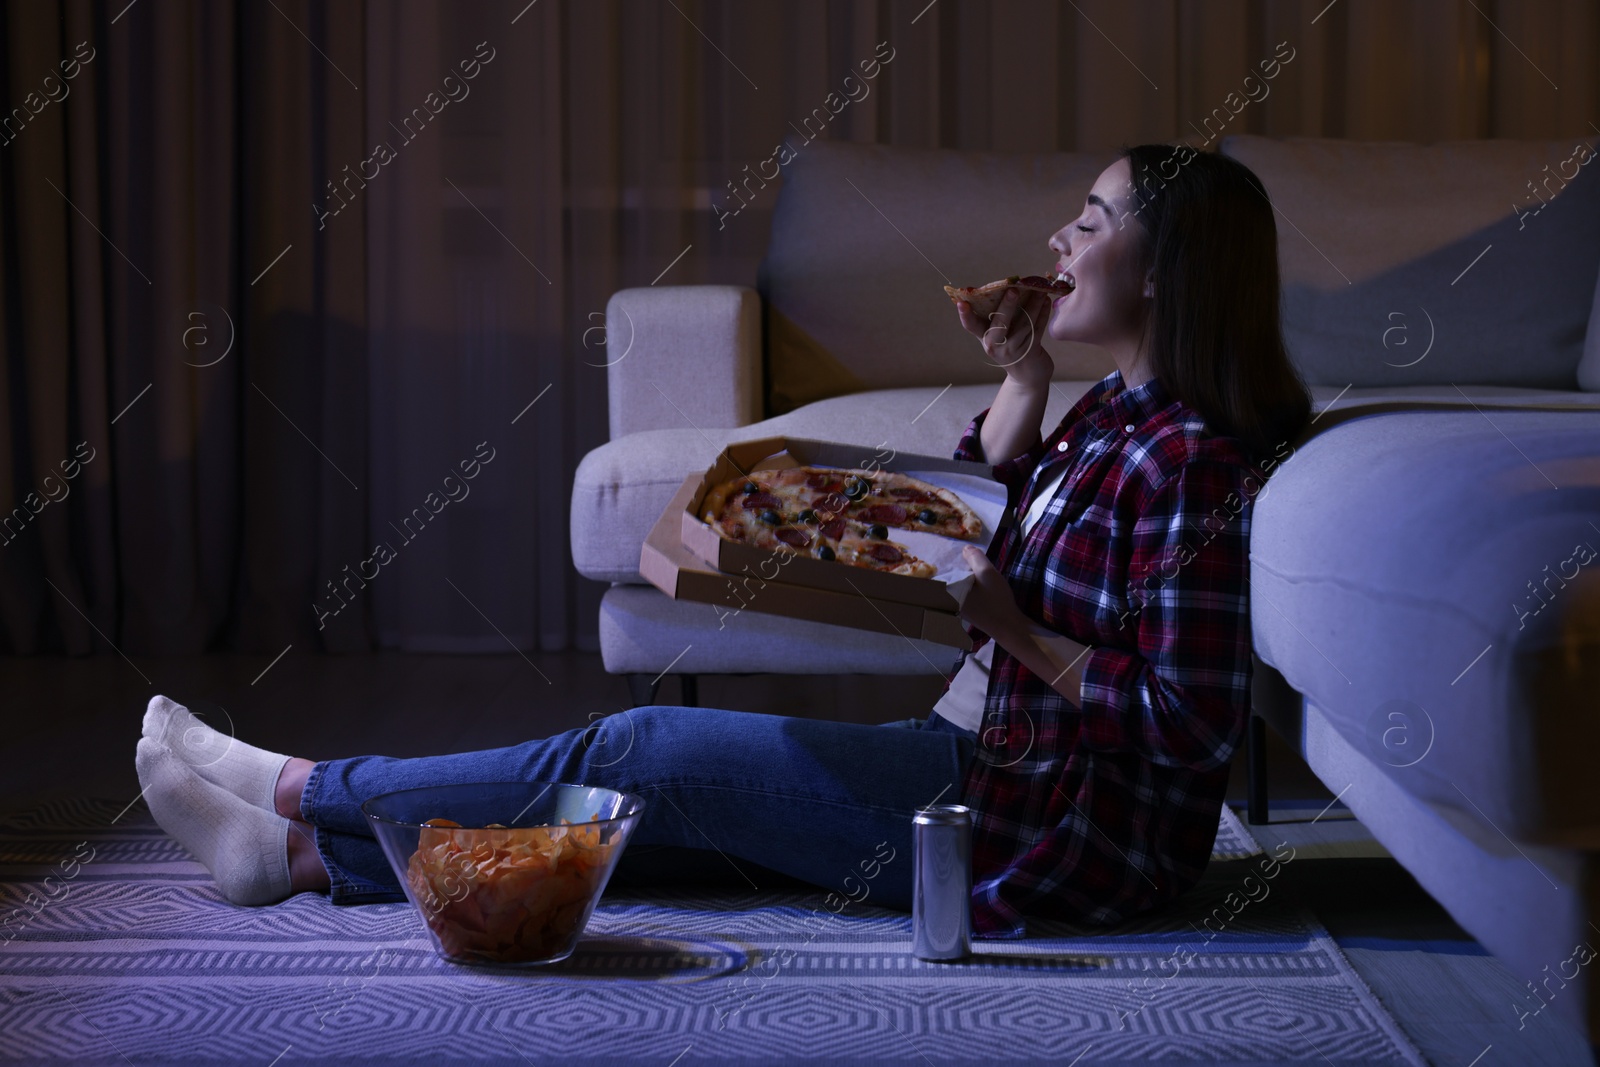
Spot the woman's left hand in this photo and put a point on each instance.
(989, 605)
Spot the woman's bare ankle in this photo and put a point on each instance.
(291, 783)
(306, 871)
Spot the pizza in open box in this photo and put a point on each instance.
(831, 513)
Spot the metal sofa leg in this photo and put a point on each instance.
(642, 689)
(1256, 768)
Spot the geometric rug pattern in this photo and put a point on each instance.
(116, 949)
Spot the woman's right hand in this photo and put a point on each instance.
(1012, 336)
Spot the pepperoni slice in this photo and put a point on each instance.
(834, 502)
(820, 481)
(887, 514)
(758, 501)
(918, 496)
(789, 535)
(834, 529)
(884, 553)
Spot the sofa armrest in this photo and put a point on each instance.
(683, 355)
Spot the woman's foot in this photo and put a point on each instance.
(249, 773)
(246, 849)
(267, 780)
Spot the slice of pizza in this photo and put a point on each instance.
(860, 545)
(903, 503)
(985, 299)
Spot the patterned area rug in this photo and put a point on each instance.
(117, 950)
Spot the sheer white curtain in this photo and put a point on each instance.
(595, 148)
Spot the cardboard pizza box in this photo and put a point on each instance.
(686, 559)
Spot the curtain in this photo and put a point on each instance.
(407, 216)
(183, 460)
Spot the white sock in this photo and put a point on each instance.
(249, 773)
(245, 849)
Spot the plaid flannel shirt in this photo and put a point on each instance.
(1096, 813)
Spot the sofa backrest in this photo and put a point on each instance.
(864, 239)
(1466, 262)
(1461, 262)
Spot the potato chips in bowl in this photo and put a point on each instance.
(504, 873)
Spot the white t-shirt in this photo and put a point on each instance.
(963, 702)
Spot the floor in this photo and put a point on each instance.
(75, 722)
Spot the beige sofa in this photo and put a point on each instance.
(1425, 630)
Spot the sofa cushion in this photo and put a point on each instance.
(1413, 264)
(643, 631)
(1421, 577)
(864, 239)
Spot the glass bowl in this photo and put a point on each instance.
(504, 873)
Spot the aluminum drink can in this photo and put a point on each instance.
(941, 903)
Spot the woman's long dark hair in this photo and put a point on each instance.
(1214, 327)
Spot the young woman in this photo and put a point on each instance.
(1092, 728)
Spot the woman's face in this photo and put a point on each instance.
(1100, 252)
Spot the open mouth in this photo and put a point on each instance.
(1065, 279)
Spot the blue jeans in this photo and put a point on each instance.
(755, 795)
